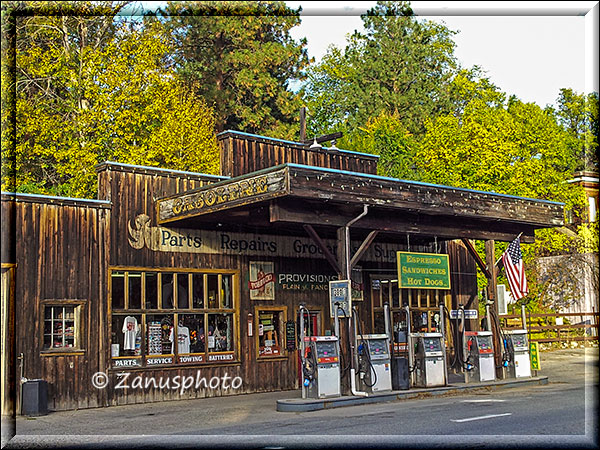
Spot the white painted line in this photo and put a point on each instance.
(489, 416)
(483, 400)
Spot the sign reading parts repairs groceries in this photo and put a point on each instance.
(142, 234)
(222, 195)
(423, 271)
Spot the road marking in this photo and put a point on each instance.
(489, 416)
(484, 400)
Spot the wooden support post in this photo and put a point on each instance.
(490, 259)
(477, 258)
(323, 247)
(303, 124)
(363, 248)
(342, 254)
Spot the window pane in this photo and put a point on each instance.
(126, 338)
(376, 292)
(198, 290)
(220, 332)
(135, 290)
(270, 333)
(226, 290)
(118, 290)
(183, 285)
(167, 290)
(213, 293)
(151, 290)
(395, 294)
(379, 323)
(59, 327)
(159, 334)
(385, 292)
(190, 333)
(405, 297)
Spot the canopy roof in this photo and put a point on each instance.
(283, 198)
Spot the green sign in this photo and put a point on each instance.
(534, 355)
(423, 270)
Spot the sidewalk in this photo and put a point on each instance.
(186, 416)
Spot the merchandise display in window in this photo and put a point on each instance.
(270, 333)
(59, 327)
(182, 313)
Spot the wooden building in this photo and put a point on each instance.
(170, 274)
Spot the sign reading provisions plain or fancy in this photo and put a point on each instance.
(340, 292)
(534, 356)
(423, 270)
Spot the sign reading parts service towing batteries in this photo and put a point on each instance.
(423, 270)
(339, 292)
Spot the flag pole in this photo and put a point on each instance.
(503, 253)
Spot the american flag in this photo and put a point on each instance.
(515, 272)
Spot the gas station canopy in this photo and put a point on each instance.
(288, 196)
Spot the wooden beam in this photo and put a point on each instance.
(324, 138)
(400, 222)
(313, 183)
(363, 248)
(315, 237)
(477, 258)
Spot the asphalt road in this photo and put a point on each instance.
(560, 414)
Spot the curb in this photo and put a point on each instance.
(313, 404)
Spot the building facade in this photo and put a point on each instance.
(170, 275)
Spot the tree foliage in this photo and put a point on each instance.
(240, 57)
(91, 87)
(400, 66)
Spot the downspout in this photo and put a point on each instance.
(353, 354)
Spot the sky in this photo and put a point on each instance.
(527, 49)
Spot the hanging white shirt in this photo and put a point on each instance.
(130, 327)
(183, 339)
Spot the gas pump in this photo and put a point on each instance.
(375, 363)
(479, 351)
(519, 365)
(321, 367)
(429, 359)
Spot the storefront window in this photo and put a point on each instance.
(189, 319)
(270, 331)
(151, 290)
(126, 337)
(213, 291)
(198, 290)
(118, 289)
(134, 280)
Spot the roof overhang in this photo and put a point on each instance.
(286, 197)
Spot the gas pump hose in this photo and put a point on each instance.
(370, 364)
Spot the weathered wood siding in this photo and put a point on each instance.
(243, 153)
(60, 250)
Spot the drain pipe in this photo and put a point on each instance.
(355, 362)
(353, 348)
(347, 238)
(301, 310)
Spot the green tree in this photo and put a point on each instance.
(84, 95)
(400, 65)
(240, 57)
(386, 136)
(578, 114)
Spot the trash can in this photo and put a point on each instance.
(400, 380)
(35, 398)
